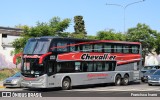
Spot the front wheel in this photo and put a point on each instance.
(125, 80)
(118, 80)
(66, 84)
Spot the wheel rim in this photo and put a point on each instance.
(118, 81)
(126, 80)
(66, 84)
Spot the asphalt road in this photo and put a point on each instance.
(102, 90)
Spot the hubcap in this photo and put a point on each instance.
(126, 80)
(66, 84)
(118, 81)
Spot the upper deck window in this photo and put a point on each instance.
(61, 46)
(98, 48)
(135, 49)
(126, 49)
(107, 48)
(117, 48)
(87, 48)
(37, 46)
(72, 48)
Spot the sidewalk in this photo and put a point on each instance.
(1, 84)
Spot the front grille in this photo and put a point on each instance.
(8, 81)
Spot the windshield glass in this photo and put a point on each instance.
(17, 74)
(37, 46)
(148, 67)
(150, 72)
(157, 72)
(32, 68)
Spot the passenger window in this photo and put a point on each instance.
(107, 48)
(98, 48)
(53, 47)
(60, 46)
(87, 48)
(126, 49)
(109, 66)
(106, 67)
(72, 48)
(118, 49)
(135, 49)
(77, 66)
(97, 66)
(84, 66)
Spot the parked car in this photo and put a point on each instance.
(13, 81)
(144, 78)
(154, 79)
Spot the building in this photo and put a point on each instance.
(7, 36)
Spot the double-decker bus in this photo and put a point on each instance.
(65, 62)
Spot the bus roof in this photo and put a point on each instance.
(89, 40)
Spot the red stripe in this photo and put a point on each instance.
(42, 57)
(16, 56)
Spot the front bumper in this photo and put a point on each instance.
(11, 85)
(29, 84)
(154, 82)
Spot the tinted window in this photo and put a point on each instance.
(157, 72)
(107, 48)
(72, 48)
(98, 48)
(65, 67)
(126, 49)
(87, 48)
(97, 66)
(135, 49)
(118, 48)
(60, 46)
(148, 67)
(37, 46)
(17, 74)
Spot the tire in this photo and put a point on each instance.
(118, 80)
(149, 84)
(143, 81)
(125, 80)
(66, 84)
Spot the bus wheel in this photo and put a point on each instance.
(66, 84)
(118, 80)
(125, 80)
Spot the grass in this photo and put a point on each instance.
(5, 73)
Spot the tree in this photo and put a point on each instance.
(79, 26)
(54, 27)
(110, 35)
(144, 34)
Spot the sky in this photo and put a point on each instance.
(97, 15)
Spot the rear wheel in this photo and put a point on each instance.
(125, 80)
(118, 80)
(66, 84)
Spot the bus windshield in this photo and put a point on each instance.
(31, 68)
(37, 46)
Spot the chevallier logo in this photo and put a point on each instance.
(98, 57)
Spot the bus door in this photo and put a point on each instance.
(51, 80)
